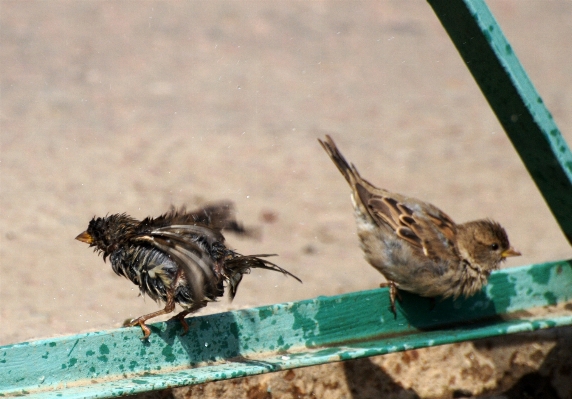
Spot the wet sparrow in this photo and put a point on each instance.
(416, 246)
(179, 257)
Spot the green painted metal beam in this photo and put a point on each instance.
(513, 98)
(253, 341)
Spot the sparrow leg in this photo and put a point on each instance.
(169, 307)
(181, 316)
(393, 293)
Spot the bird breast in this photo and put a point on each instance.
(150, 269)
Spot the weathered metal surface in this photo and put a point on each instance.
(253, 341)
(513, 98)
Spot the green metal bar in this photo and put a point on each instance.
(253, 341)
(513, 98)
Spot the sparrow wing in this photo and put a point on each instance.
(186, 246)
(217, 216)
(422, 225)
(188, 232)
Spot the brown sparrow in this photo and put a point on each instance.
(179, 257)
(416, 246)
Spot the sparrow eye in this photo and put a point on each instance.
(495, 246)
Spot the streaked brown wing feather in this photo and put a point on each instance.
(433, 232)
(410, 236)
(398, 217)
(439, 242)
(445, 225)
(385, 208)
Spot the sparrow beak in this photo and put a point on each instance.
(85, 237)
(510, 252)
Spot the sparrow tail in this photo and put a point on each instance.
(349, 171)
(238, 265)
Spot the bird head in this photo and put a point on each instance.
(484, 243)
(105, 234)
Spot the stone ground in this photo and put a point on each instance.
(133, 106)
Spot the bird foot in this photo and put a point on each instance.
(183, 321)
(141, 322)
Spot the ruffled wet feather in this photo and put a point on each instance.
(153, 253)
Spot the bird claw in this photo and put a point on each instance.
(141, 323)
(393, 293)
(181, 318)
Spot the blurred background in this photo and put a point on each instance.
(110, 107)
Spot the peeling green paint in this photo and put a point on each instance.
(539, 278)
(304, 333)
(502, 292)
(304, 322)
(168, 354)
(264, 313)
(103, 349)
(551, 299)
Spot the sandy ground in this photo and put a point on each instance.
(130, 107)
